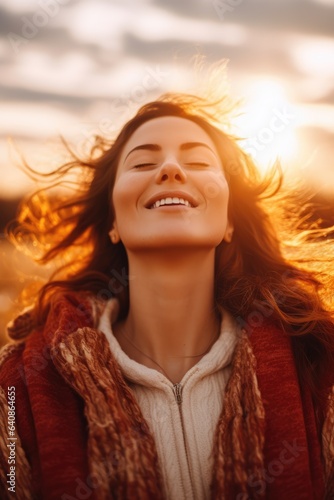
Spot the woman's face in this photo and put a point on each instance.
(170, 190)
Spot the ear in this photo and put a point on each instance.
(114, 235)
(229, 232)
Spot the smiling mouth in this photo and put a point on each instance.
(170, 201)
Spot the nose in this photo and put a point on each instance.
(171, 170)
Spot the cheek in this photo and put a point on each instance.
(124, 197)
(117, 199)
(216, 192)
(121, 212)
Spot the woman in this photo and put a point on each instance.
(182, 352)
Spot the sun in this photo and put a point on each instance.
(268, 124)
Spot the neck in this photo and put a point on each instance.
(172, 318)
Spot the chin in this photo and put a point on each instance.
(169, 242)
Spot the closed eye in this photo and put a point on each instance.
(141, 165)
(198, 163)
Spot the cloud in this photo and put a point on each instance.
(327, 98)
(315, 56)
(33, 119)
(8, 21)
(279, 15)
(23, 94)
(199, 9)
(249, 58)
(90, 55)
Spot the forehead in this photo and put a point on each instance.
(168, 131)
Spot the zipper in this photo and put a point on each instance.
(177, 390)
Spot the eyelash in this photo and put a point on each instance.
(143, 165)
(198, 163)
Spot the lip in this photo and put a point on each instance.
(172, 194)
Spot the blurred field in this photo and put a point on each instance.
(17, 271)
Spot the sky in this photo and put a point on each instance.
(77, 68)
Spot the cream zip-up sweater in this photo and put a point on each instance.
(182, 417)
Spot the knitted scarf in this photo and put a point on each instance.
(81, 433)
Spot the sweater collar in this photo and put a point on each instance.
(219, 356)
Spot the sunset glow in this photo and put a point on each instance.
(84, 69)
(268, 124)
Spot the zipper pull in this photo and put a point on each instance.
(177, 389)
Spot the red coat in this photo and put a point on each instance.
(81, 433)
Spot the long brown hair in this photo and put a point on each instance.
(262, 274)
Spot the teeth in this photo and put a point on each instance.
(171, 201)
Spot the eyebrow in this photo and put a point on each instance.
(183, 147)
